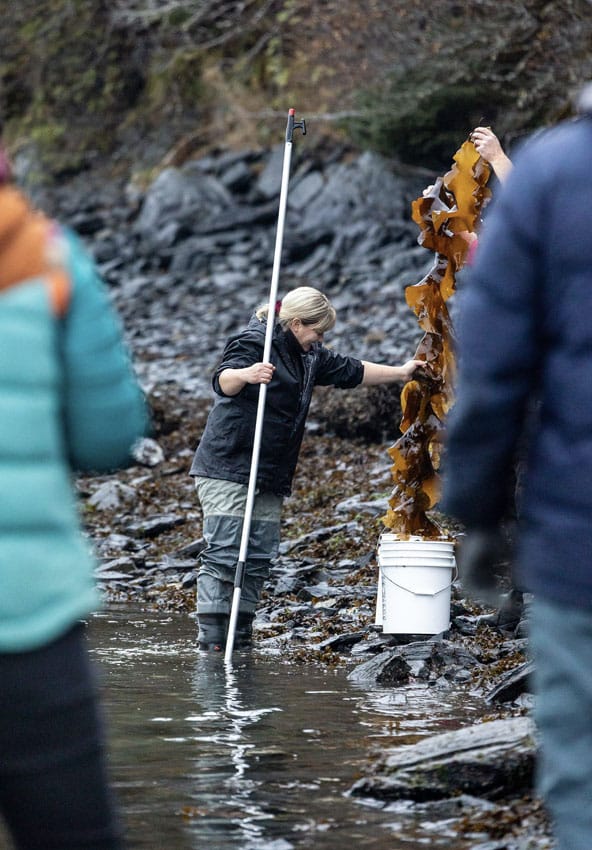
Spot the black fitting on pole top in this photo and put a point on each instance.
(294, 125)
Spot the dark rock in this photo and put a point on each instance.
(510, 613)
(384, 669)
(112, 494)
(191, 549)
(466, 625)
(169, 562)
(238, 177)
(319, 534)
(366, 187)
(87, 224)
(119, 542)
(122, 566)
(191, 256)
(343, 641)
(304, 190)
(155, 525)
(183, 198)
(270, 180)
(422, 660)
(512, 684)
(322, 591)
(374, 645)
(234, 217)
(189, 580)
(485, 760)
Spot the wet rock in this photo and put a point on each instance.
(372, 645)
(120, 543)
(191, 549)
(384, 669)
(469, 625)
(179, 564)
(510, 614)
(147, 452)
(317, 535)
(512, 684)
(294, 574)
(112, 494)
(189, 580)
(117, 570)
(322, 591)
(340, 642)
(483, 760)
(112, 576)
(353, 504)
(155, 525)
(420, 660)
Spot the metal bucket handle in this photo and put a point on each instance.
(416, 593)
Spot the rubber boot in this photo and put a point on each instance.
(212, 632)
(510, 612)
(243, 637)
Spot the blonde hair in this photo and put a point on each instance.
(307, 304)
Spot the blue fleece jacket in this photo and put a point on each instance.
(68, 400)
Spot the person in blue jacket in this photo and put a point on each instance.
(525, 385)
(69, 402)
(221, 466)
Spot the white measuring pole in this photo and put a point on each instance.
(244, 544)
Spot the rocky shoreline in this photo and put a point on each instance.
(186, 261)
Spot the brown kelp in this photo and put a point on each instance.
(446, 213)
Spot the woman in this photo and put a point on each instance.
(68, 401)
(299, 362)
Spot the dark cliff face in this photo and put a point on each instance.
(84, 79)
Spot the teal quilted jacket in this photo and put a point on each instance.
(68, 401)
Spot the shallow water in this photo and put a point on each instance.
(259, 756)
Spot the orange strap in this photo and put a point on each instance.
(59, 291)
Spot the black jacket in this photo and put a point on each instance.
(226, 446)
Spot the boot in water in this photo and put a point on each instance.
(243, 638)
(211, 636)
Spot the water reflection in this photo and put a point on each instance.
(226, 731)
(256, 756)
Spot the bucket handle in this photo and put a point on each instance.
(416, 593)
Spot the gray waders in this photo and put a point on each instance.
(223, 505)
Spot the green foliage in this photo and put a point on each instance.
(93, 76)
(178, 17)
(175, 81)
(63, 79)
(512, 65)
(422, 120)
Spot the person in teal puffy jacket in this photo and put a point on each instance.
(69, 402)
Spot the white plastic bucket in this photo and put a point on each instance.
(414, 582)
